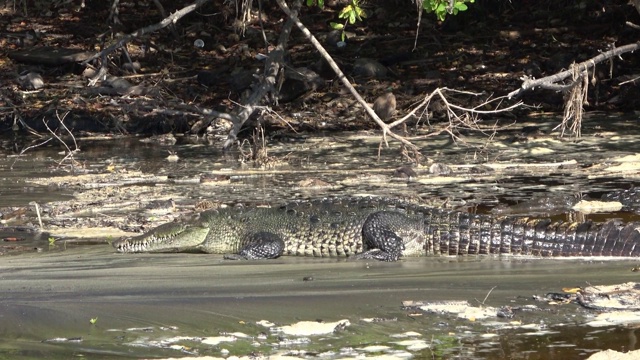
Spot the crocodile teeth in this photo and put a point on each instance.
(130, 246)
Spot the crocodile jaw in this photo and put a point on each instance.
(165, 238)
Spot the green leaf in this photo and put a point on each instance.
(461, 6)
(336, 26)
(352, 17)
(430, 5)
(344, 13)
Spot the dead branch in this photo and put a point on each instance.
(548, 82)
(575, 92)
(171, 19)
(273, 64)
(574, 99)
(113, 14)
(459, 117)
(385, 128)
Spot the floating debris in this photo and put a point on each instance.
(309, 328)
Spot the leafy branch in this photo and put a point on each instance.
(443, 7)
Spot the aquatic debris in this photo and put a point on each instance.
(406, 334)
(378, 319)
(594, 206)
(461, 308)
(309, 328)
(619, 297)
(62, 340)
(414, 344)
(265, 323)
(612, 318)
(615, 355)
(610, 297)
(375, 348)
(215, 340)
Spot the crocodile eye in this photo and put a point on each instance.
(314, 219)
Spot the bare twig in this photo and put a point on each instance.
(70, 153)
(575, 92)
(113, 14)
(459, 116)
(489, 293)
(37, 213)
(171, 19)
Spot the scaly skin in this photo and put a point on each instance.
(383, 229)
(170, 237)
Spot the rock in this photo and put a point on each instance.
(298, 82)
(369, 68)
(385, 106)
(31, 81)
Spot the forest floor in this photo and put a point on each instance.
(483, 52)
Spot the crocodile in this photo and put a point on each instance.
(380, 229)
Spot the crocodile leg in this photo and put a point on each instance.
(260, 245)
(381, 235)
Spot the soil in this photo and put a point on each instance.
(485, 50)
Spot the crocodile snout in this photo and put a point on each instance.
(127, 245)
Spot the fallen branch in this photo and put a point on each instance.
(171, 19)
(548, 82)
(385, 128)
(575, 92)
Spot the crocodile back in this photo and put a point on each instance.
(344, 227)
(319, 228)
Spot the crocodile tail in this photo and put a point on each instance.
(611, 238)
(456, 233)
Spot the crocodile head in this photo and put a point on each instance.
(165, 238)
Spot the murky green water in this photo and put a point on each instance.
(173, 305)
(141, 301)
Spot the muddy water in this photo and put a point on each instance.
(141, 300)
(173, 305)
